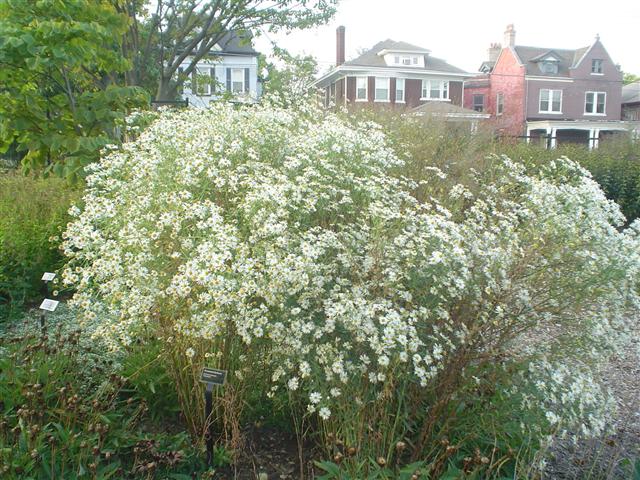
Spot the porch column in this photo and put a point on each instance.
(528, 135)
(596, 138)
(553, 137)
(592, 142)
(548, 145)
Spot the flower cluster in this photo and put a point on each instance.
(291, 230)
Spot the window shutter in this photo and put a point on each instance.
(246, 80)
(228, 79)
(213, 79)
(180, 81)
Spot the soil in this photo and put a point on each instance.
(270, 454)
(610, 457)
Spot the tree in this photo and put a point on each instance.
(629, 78)
(289, 75)
(180, 32)
(61, 77)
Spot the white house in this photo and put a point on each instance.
(231, 66)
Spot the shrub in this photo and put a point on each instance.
(32, 210)
(295, 251)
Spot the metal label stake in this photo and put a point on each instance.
(211, 377)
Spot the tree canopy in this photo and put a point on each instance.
(62, 97)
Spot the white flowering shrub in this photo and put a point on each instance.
(283, 245)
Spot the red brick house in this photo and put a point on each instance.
(393, 74)
(555, 94)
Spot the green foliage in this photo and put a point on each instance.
(60, 67)
(150, 380)
(289, 75)
(32, 211)
(62, 419)
(629, 78)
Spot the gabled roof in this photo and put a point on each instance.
(567, 59)
(631, 93)
(370, 58)
(235, 43)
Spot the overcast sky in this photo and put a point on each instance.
(460, 31)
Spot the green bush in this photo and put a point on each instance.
(32, 211)
(66, 413)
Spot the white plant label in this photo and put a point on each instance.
(48, 276)
(49, 305)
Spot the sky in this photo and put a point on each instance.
(460, 31)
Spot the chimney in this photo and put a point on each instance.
(494, 52)
(339, 45)
(510, 36)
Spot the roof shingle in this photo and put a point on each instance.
(370, 58)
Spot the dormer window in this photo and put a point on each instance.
(405, 60)
(596, 66)
(550, 68)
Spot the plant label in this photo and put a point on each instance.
(213, 376)
(49, 305)
(48, 276)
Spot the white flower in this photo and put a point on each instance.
(292, 384)
(315, 397)
(324, 413)
(190, 352)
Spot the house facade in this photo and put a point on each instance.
(231, 67)
(549, 93)
(392, 74)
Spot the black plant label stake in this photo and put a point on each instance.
(210, 377)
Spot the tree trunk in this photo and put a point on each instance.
(166, 89)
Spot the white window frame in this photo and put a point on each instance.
(200, 73)
(549, 101)
(601, 64)
(595, 103)
(402, 81)
(233, 72)
(499, 104)
(443, 88)
(387, 80)
(366, 89)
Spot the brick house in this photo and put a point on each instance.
(550, 93)
(393, 74)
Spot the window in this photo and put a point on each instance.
(499, 104)
(596, 66)
(400, 90)
(406, 60)
(478, 103)
(202, 81)
(396, 59)
(237, 80)
(382, 89)
(361, 89)
(549, 67)
(550, 101)
(435, 90)
(414, 60)
(594, 103)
